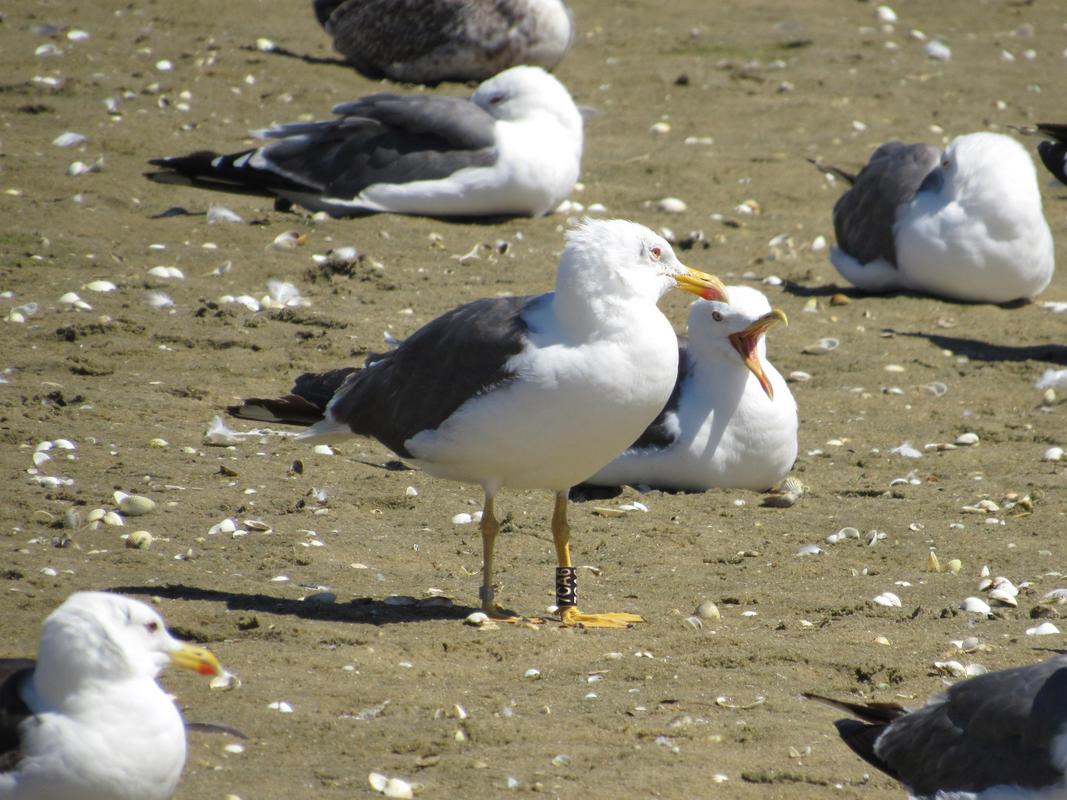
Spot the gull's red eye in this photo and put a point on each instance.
(496, 98)
(655, 252)
(152, 627)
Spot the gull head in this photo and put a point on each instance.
(987, 168)
(735, 330)
(99, 636)
(518, 93)
(626, 261)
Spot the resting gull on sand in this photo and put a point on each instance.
(731, 421)
(965, 223)
(514, 148)
(429, 41)
(997, 736)
(526, 392)
(87, 720)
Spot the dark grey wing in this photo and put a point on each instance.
(304, 405)
(14, 673)
(994, 729)
(460, 355)
(663, 430)
(375, 35)
(382, 138)
(864, 215)
(1054, 154)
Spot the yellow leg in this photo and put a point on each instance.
(490, 528)
(569, 614)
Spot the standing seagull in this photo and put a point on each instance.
(998, 736)
(527, 392)
(87, 720)
(731, 421)
(513, 148)
(429, 41)
(965, 224)
(1054, 154)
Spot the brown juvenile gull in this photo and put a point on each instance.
(526, 392)
(513, 148)
(965, 223)
(429, 41)
(1002, 735)
(87, 720)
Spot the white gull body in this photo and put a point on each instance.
(721, 427)
(95, 724)
(966, 224)
(533, 392)
(514, 148)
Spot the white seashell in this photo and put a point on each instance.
(164, 65)
(70, 299)
(1005, 585)
(1004, 597)
(937, 389)
(887, 599)
(818, 244)
(952, 668)
(660, 128)
(937, 50)
(113, 518)
(976, 605)
(217, 214)
(954, 566)
(167, 273)
(799, 376)
(288, 240)
(1058, 595)
(377, 781)
(1044, 629)
(77, 35)
(966, 439)
(708, 610)
(100, 286)
(532, 672)
(478, 619)
(1053, 454)
(886, 14)
(810, 550)
(40, 457)
(158, 299)
(463, 518)
(671, 205)
(226, 526)
(969, 645)
(282, 706)
(323, 450)
(227, 680)
(139, 540)
(69, 139)
(265, 45)
(134, 505)
(95, 515)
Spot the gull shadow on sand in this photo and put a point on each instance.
(854, 293)
(278, 50)
(978, 350)
(366, 610)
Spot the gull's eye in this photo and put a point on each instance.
(152, 627)
(496, 98)
(946, 163)
(717, 316)
(656, 252)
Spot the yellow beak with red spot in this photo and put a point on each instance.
(701, 284)
(745, 342)
(198, 659)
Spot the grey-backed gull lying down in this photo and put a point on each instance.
(514, 148)
(965, 224)
(731, 421)
(527, 392)
(87, 720)
(429, 41)
(997, 736)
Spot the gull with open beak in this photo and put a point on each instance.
(731, 421)
(527, 392)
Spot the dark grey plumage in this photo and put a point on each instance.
(455, 357)
(14, 675)
(664, 429)
(864, 215)
(998, 729)
(1054, 154)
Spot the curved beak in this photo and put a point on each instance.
(198, 659)
(701, 284)
(745, 342)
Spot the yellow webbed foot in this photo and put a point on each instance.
(570, 615)
(498, 614)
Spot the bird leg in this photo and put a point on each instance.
(566, 580)
(490, 528)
